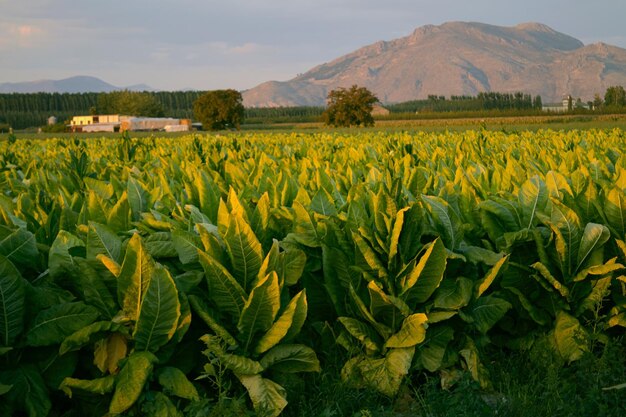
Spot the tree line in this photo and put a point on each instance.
(482, 101)
(20, 110)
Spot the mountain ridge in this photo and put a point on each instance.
(75, 84)
(458, 58)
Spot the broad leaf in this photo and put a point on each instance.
(108, 352)
(187, 245)
(131, 380)
(384, 375)
(11, 302)
(292, 317)
(53, 325)
(594, 236)
(268, 398)
(224, 290)
(488, 279)
(29, 391)
(290, 359)
(86, 335)
(244, 251)
(533, 197)
(412, 332)
(98, 386)
(430, 353)
(103, 241)
(486, 311)
(135, 275)
(19, 246)
(570, 337)
(203, 312)
(362, 332)
(159, 312)
(423, 280)
(260, 310)
(174, 382)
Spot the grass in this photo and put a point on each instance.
(524, 385)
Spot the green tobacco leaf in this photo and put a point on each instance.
(361, 332)
(294, 261)
(224, 290)
(412, 332)
(615, 211)
(98, 386)
(268, 398)
(118, 218)
(453, 295)
(570, 337)
(174, 382)
(566, 226)
(431, 352)
(499, 216)
(322, 203)
(187, 245)
(382, 330)
(412, 228)
(486, 311)
(86, 335)
(131, 380)
(545, 273)
(240, 365)
(600, 289)
(59, 259)
(159, 312)
(11, 302)
(5, 388)
(260, 310)
(389, 309)
(103, 241)
(594, 236)
(396, 231)
(487, 280)
(444, 220)
(533, 197)
(384, 375)
(291, 359)
(160, 245)
(29, 391)
(135, 275)
(53, 325)
(95, 290)
(369, 256)
(138, 198)
(293, 315)
(19, 246)
(205, 315)
(244, 251)
(159, 405)
(425, 278)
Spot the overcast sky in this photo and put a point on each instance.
(176, 44)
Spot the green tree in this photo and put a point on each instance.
(350, 107)
(219, 109)
(615, 97)
(130, 103)
(537, 103)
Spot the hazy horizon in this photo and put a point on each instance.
(173, 45)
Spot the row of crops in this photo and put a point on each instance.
(154, 276)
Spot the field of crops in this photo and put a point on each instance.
(160, 276)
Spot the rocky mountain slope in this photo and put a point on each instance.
(459, 58)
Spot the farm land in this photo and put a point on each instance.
(467, 269)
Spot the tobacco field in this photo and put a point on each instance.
(158, 276)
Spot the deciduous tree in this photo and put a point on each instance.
(219, 109)
(350, 107)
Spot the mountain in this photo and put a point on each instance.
(78, 84)
(459, 58)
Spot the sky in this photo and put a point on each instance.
(194, 44)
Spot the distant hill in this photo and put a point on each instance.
(459, 58)
(78, 84)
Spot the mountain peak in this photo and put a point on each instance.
(459, 58)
